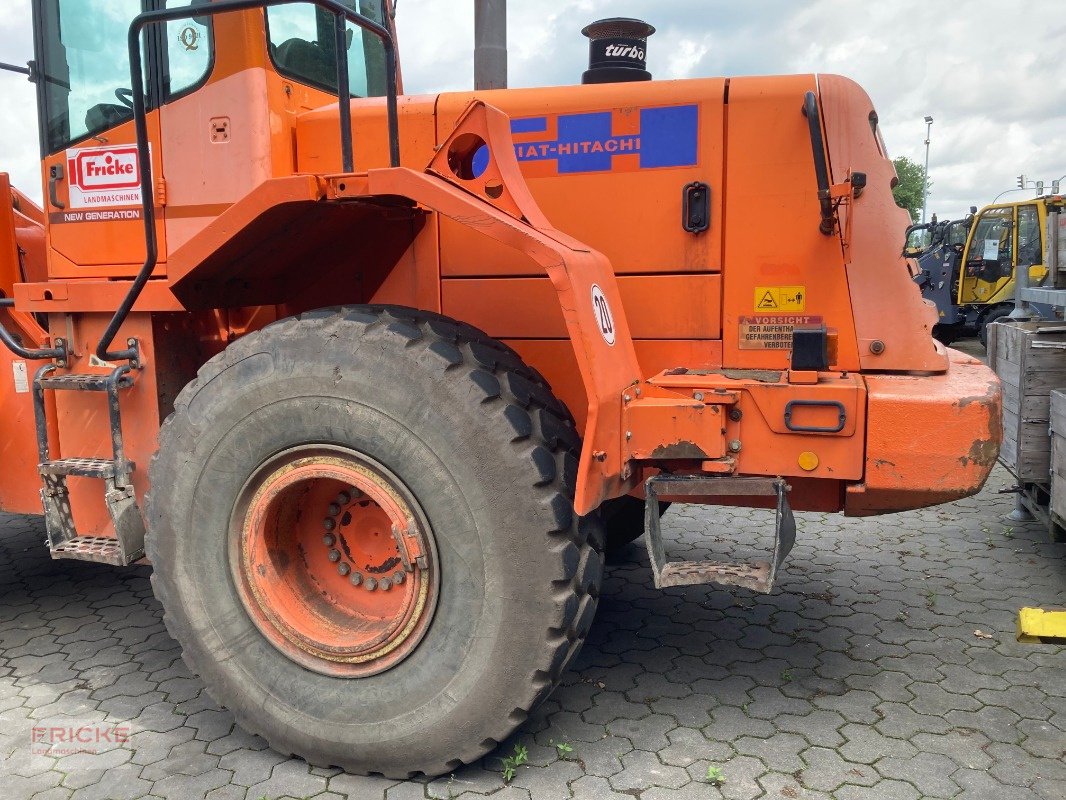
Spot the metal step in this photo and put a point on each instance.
(759, 575)
(127, 545)
(689, 573)
(84, 383)
(102, 549)
(83, 467)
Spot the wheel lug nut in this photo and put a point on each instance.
(343, 568)
(334, 509)
(355, 578)
(343, 499)
(371, 584)
(329, 540)
(329, 524)
(398, 578)
(385, 584)
(334, 555)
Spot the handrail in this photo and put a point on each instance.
(6, 338)
(16, 68)
(341, 14)
(821, 171)
(12, 344)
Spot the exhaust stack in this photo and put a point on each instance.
(490, 44)
(618, 50)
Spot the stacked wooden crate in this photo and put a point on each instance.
(1058, 457)
(1030, 360)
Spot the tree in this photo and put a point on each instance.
(908, 192)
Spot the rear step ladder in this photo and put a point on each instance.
(758, 575)
(63, 538)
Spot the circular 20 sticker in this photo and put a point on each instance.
(604, 319)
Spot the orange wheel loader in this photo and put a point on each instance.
(372, 379)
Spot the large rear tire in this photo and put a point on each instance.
(430, 421)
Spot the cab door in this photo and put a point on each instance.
(1031, 223)
(989, 258)
(90, 166)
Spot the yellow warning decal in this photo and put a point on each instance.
(780, 298)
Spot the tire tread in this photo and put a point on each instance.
(515, 393)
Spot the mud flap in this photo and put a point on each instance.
(758, 575)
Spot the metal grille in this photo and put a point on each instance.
(102, 549)
(619, 26)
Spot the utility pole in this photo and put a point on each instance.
(490, 44)
(925, 175)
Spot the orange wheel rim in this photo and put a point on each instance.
(334, 561)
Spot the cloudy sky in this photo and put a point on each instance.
(991, 74)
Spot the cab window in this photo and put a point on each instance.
(187, 53)
(993, 236)
(919, 239)
(957, 232)
(1029, 250)
(85, 67)
(302, 46)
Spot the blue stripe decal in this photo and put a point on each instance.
(530, 125)
(668, 137)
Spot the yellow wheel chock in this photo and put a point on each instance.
(1038, 625)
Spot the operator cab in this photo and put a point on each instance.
(84, 65)
(84, 61)
(220, 90)
(1003, 238)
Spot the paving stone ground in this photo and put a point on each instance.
(862, 677)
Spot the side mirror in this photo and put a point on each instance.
(858, 184)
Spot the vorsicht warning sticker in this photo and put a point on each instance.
(780, 298)
(772, 331)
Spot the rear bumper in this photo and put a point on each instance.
(930, 439)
